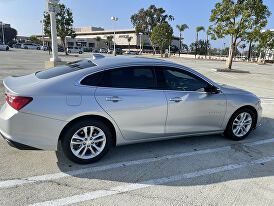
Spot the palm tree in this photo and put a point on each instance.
(98, 39)
(243, 46)
(181, 28)
(109, 40)
(198, 29)
(208, 33)
(129, 40)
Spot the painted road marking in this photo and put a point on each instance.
(225, 75)
(54, 176)
(149, 183)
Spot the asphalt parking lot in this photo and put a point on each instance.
(205, 170)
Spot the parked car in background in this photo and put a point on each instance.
(119, 51)
(44, 48)
(110, 51)
(87, 49)
(16, 45)
(131, 52)
(93, 108)
(4, 47)
(96, 50)
(30, 46)
(103, 50)
(61, 48)
(75, 49)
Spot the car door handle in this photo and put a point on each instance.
(176, 99)
(113, 99)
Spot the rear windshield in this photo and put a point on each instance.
(70, 67)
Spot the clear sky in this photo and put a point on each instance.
(24, 15)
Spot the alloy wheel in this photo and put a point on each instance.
(88, 142)
(242, 124)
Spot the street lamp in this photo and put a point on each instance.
(3, 35)
(140, 42)
(43, 39)
(115, 19)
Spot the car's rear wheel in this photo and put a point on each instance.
(80, 52)
(69, 51)
(240, 124)
(87, 141)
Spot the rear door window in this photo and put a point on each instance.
(130, 77)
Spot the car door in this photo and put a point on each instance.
(191, 109)
(130, 97)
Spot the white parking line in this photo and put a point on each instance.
(225, 75)
(54, 176)
(130, 187)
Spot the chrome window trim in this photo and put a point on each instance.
(162, 64)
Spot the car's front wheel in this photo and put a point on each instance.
(87, 141)
(240, 124)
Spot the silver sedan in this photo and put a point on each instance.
(92, 105)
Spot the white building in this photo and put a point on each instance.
(86, 37)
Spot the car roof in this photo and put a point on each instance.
(121, 60)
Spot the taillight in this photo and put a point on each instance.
(17, 102)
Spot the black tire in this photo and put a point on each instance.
(7, 48)
(69, 51)
(229, 131)
(67, 136)
(80, 52)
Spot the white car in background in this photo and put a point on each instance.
(75, 49)
(31, 46)
(4, 47)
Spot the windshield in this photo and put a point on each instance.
(70, 67)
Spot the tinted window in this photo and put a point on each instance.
(135, 77)
(70, 67)
(182, 80)
(93, 79)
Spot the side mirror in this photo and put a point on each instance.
(213, 90)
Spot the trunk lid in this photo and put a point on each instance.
(17, 84)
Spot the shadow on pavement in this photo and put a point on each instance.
(183, 165)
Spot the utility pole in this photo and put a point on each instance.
(52, 9)
(115, 19)
(140, 42)
(3, 34)
(43, 38)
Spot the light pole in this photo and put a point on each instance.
(140, 42)
(3, 35)
(43, 39)
(115, 19)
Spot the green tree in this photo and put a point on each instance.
(266, 42)
(237, 18)
(198, 29)
(162, 36)
(146, 19)
(64, 24)
(200, 47)
(98, 39)
(9, 33)
(208, 34)
(252, 37)
(181, 28)
(108, 41)
(34, 39)
(242, 46)
(129, 40)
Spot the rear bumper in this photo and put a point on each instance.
(27, 130)
(18, 145)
